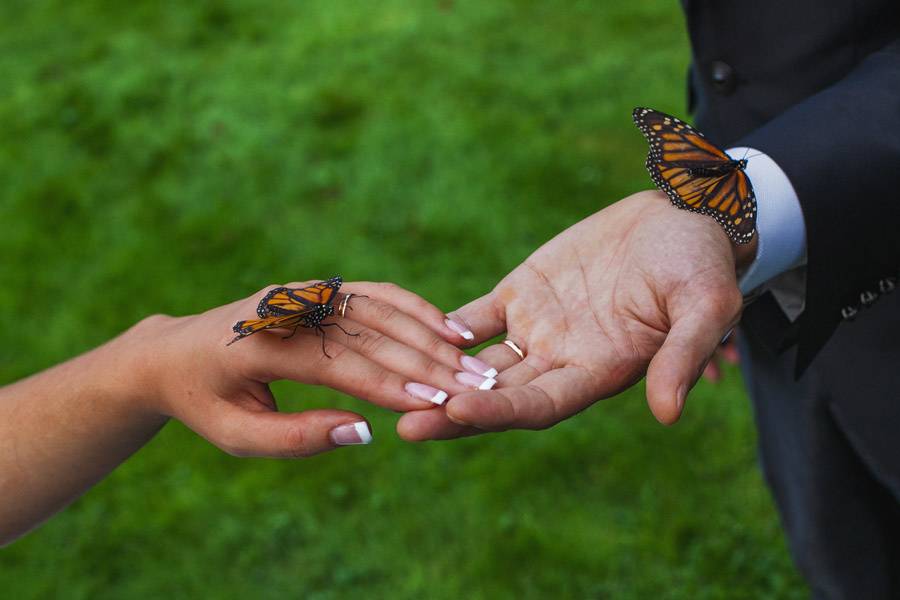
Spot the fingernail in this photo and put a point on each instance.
(476, 381)
(351, 434)
(470, 363)
(680, 396)
(426, 392)
(460, 329)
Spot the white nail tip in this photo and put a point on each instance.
(439, 398)
(487, 384)
(467, 335)
(492, 372)
(362, 429)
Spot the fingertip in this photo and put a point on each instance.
(665, 397)
(351, 434)
(667, 412)
(484, 409)
(458, 331)
(424, 425)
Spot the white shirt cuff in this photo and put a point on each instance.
(779, 220)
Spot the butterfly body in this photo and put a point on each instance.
(697, 175)
(292, 308)
(717, 169)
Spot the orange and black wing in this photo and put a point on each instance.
(674, 141)
(677, 153)
(285, 301)
(251, 326)
(320, 293)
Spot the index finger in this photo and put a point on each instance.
(410, 303)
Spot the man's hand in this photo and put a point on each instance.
(638, 288)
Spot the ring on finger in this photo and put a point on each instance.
(515, 348)
(342, 310)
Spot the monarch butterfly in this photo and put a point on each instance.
(697, 175)
(291, 308)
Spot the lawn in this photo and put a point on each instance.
(172, 156)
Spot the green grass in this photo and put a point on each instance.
(173, 156)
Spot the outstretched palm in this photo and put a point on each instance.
(637, 288)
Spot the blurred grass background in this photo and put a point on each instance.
(169, 157)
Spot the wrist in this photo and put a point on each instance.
(743, 254)
(137, 365)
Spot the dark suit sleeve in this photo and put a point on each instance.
(841, 150)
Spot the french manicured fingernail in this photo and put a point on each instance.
(476, 381)
(351, 434)
(680, 396)
(470, 363)
(426, 392)
(460, 329)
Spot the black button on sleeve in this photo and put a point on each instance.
(722, 77)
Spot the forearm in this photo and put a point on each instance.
(64, 429)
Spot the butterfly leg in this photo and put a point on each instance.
(291, 334)
(341, 328)
(321, 332)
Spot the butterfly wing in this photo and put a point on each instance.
(320, 293)
(286, 301)
(251, 326)
(676, 149)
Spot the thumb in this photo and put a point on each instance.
(243, 432)
(678, 364)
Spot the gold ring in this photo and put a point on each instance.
(515, 348)
(343, 309)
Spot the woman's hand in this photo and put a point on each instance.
(400, 356)
(64, 429)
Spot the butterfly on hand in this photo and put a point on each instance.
(292, 308)
(697, 175)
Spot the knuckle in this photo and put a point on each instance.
(295, 443)
(155, 320)
(382, 379)
(432, 368)
(728, 303)
(335, 352)
(368, 342)
(384, 311)
(436, 346)
(389, 287)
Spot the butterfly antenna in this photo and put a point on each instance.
(748, 156)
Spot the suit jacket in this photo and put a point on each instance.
(815, 84)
